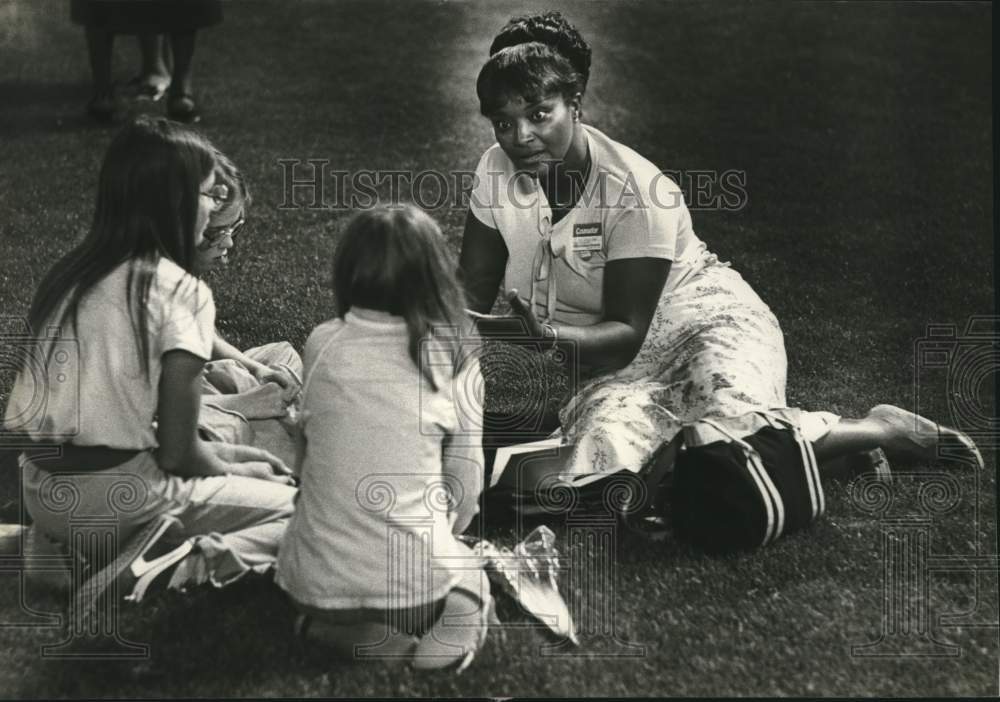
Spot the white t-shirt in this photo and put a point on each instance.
(370, 527)
(94, 391)
(628, 209)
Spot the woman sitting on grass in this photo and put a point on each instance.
(598, 254)
(142, 327)
(388, 477)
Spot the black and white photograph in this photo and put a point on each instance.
(496, 349)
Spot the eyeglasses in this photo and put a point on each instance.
(215, 234)
(219, 194)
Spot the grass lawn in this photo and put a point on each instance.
(865, 134)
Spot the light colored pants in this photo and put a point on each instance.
(227, 377)
(238, 522)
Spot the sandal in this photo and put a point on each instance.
(181, 107)
(142, 89)
(918, 438)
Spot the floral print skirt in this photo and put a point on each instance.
(713, 349)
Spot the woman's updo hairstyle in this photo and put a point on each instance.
(531, 58)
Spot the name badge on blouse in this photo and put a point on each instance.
(587, 238)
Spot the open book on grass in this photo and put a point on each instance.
(521, 466)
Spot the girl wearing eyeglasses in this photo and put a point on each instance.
(244, 389)
(124, 328)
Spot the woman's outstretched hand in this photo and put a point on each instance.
(520, 326)
(526, 314)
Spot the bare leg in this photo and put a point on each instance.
(155, 77)
(901, 433)
(181, 105)
(849, 436)
(153, 64)
(182, 44)
(166, 54)
(99, 47)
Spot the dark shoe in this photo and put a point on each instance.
(101, 108)
(181, 107)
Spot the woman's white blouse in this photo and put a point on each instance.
(629, 209)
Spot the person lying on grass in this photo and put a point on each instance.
(141, 324)
(600, 259)
(388, 475)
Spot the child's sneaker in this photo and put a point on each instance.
(146, 572)
(120, 569)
